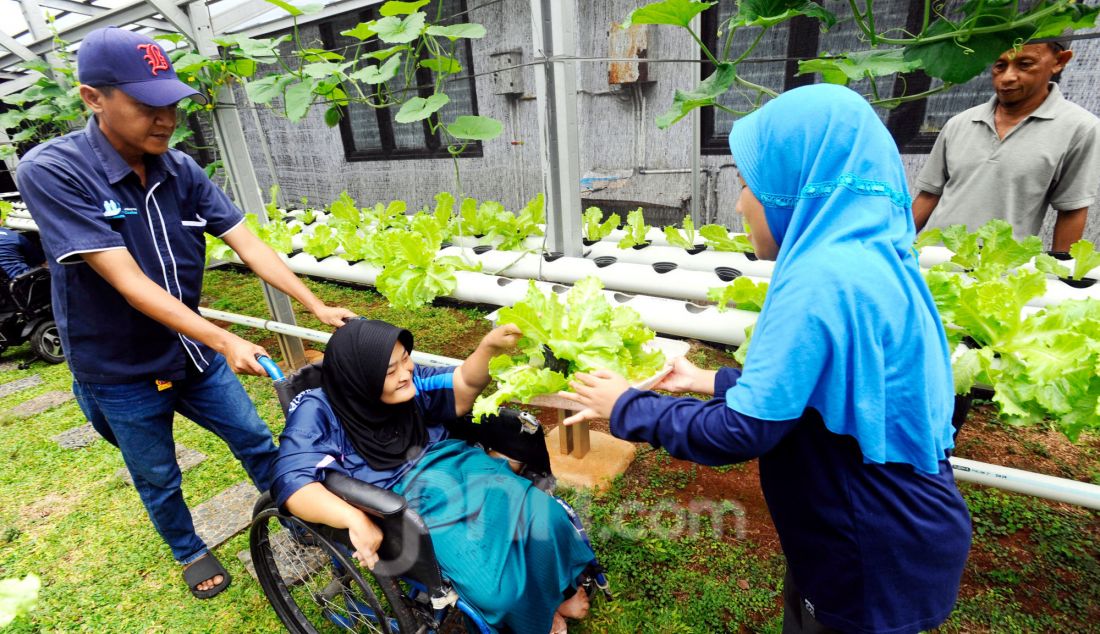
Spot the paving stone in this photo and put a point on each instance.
(39, 404)
(8, 365)
(225, 514)
(77, 437)
(185, 457)
(296, 562)
(18, 385)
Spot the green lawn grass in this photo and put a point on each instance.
(65, 517)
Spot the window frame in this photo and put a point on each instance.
(433, 147)
(803, 40)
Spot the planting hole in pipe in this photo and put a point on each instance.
(604, 260)
(751, 257)
(694, 308)
(727, 274)
(444, 245)
(552, 255)
(699, 248)
(504, 281)
(664, 267)
(559, 288)
(1084, 282)
(622, 298)
(482, 248)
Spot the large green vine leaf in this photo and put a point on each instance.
(455, 31)
(298, 99)
(704, 94)
(444, 65)
(419, 108)
(378, 74)
(475, 128)
(262, 91)
(857, 65)
(394, 7)
(768, 13)
(362, 31)
(674, 12)
(394, 30)
(955, 60)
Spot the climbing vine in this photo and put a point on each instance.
(953, 45)
(380, 71)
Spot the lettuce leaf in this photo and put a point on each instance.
(582, 334)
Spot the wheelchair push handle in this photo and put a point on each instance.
(273, 370)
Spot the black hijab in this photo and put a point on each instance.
(353, 375)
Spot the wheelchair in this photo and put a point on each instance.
(26, 313)
(307, 571)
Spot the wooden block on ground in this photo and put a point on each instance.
(607, 458)
(77, 437)
(225, 514)
(312, 356)
(18, 385)
(186, 457)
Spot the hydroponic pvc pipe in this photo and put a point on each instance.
(708, 260)
(669, 316)
(309, 334)
(1006, 478)
(663, 279)
(1026, 482)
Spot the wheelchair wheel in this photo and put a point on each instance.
(319, 587)
(46, 342)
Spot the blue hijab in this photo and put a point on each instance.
(848, 327)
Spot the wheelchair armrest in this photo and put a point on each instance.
(370, 499)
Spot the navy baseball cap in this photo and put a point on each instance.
(135, 64)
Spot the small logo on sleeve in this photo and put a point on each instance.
(154, 57)
(113, 210)
(163, 385)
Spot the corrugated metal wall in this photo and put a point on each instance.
(617, 133)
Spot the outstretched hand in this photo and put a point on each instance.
(684, 377)
(502, 338)
(333, 315)
(597, 392)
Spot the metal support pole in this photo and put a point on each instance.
(246, 187)
(175, 17)
(12, 161)
(36, 23)
(696, 141)
(553, 25)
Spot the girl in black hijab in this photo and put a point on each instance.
(510, 550)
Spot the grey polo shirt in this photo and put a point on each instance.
(1050, 158)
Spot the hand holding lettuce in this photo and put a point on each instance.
(583, 334)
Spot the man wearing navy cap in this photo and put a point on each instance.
(122, 219)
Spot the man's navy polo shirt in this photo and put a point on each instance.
(85, 198)
(17, 254)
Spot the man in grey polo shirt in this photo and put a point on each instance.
(1012, 157)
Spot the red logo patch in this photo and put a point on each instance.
(154, 57)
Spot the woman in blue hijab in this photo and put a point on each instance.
(846, 394)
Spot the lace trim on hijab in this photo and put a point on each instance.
(851, 182)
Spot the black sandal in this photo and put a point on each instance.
(202, 569)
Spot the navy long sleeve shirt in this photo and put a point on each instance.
(871, 547)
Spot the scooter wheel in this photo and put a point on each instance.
(46, 342)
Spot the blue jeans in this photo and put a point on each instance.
(137, 418)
